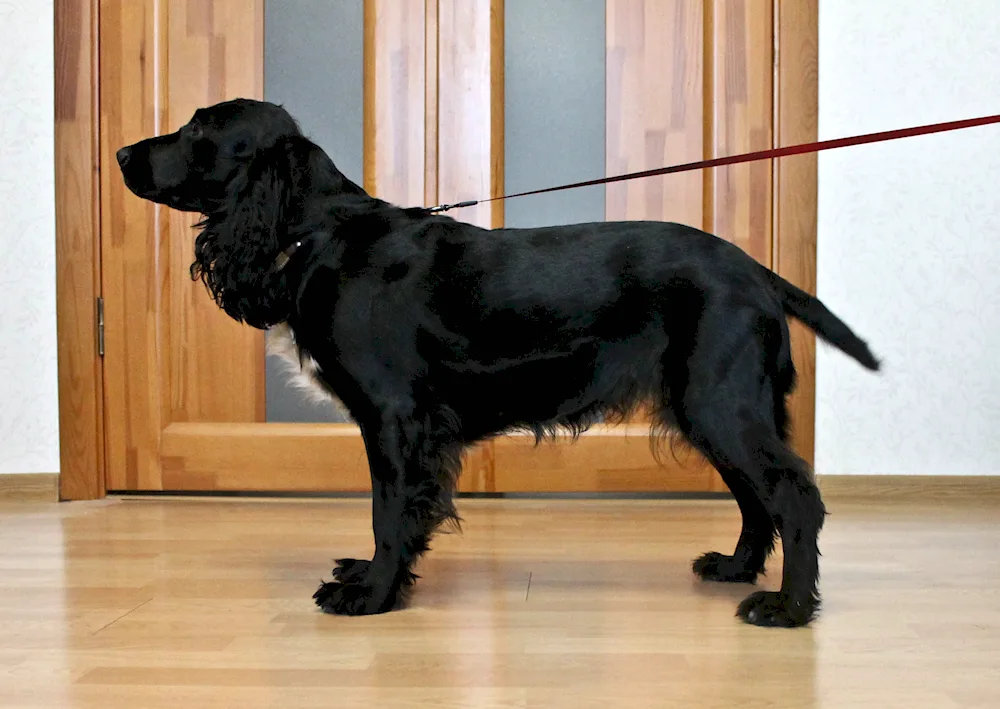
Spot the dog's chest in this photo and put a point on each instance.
(303, 370)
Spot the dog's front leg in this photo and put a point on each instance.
(413, 474)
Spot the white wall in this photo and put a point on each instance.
(29, 440)
(909, 237)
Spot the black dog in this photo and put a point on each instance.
(436, 334)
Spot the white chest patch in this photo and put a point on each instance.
(303, 371)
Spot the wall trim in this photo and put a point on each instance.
(911, 488)
(29, 487)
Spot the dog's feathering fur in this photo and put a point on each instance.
(435, 334)
(303, 370)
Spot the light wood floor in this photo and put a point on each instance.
(187, 604)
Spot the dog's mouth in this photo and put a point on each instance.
(173, 200)
(144, 190)
(139, 181)
(153, 194)
(139, 187)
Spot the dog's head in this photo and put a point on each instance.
(194, 168)
(245, 165)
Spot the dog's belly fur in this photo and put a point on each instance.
(595, 379)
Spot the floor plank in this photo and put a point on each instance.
(206, 603)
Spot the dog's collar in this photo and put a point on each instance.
(283, 257)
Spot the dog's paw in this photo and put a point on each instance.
(714, 566)
(351, 599)
(351, 571)
(774, 609)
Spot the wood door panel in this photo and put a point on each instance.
(331, 457)
(604, 459)
(129, 244)
(464, 111)
(402, 80)
(282, 457)
(266, 457)
(685, 80)
(742, 118)
(216, 365)
(655, 107)
(398, 93)
(655, 67)
(171, 354)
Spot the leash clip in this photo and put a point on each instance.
(447, 207)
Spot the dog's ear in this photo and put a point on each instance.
(235, 252)
(259, 204)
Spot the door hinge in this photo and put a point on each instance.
(100, 327)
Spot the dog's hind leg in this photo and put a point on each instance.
(414, 465)
(789, 492)
(726, 409)
(754, 545)
(757, 536)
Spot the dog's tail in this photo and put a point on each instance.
(811, 311)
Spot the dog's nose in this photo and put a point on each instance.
(123, 156)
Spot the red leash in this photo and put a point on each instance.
(749, 157)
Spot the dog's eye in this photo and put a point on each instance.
(194, 131)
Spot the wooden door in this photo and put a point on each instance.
(685, 80)
(184, 395)
(184, 385)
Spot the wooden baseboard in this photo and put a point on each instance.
(911, 488)
(32, 487)
(904, 488)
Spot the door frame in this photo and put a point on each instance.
(78, 251)
(78, 227)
